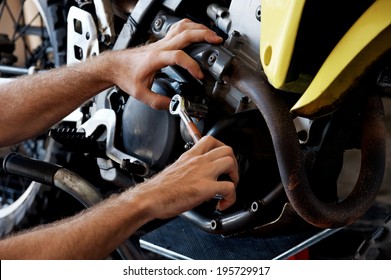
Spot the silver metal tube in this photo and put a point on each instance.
(12, 70)
(76, 186)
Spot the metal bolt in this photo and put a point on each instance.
(245, 100)
(104, 38)
(258, 13)
(212, 59)
(254, 207)
(236, 33)
(158, 24)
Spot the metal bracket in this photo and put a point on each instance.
(82, 36)
(107, 118)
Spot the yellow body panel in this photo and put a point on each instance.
(280, 22)
(364, 43)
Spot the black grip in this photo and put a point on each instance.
(36, 170)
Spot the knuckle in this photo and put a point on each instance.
(154, 104)
(179, 26)
(187, 34)
(228, 150)
(137, 92)
(231, 161)
(178, 56)
(177, 53)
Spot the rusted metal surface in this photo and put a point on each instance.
(291, 160)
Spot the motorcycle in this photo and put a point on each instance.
(290, 90)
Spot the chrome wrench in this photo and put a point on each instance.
(178, 107)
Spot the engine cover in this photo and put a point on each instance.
(149, 134)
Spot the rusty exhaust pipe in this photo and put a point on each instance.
(291, 160)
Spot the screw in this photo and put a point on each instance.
(104, 38)
(158, 24)
(258, 13)
(236, 33)
(212, 59)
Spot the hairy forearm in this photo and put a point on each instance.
(92, 234)
(95, 233)
(33, 103)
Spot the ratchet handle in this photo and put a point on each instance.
(193, 131)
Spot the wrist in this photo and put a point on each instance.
(139, 204)
(101, 69)
(110, 63)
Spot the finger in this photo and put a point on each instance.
(221, 161)
(154, 100)
(180, 58)
(177, 57)
(189, 36)
(227, 191)
(182, 25)
(206, 144)
(226, 165)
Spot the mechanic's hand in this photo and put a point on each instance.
(192, 179)
(137, 67)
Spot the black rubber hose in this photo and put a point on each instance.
(36, 170)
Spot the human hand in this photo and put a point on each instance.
(137, 67)
(192, 179)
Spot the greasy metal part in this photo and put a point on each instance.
(245, 32)
(291, 161)
(237, 221)
(107, 118)
(127, 35)
(162, 24)
(200, 221)
(76, 186)
(212, 58)
(142, 14)
(220, 16)
(303, 127)
(242, 220)
(258, 13)
(110, 173)
(105, 17)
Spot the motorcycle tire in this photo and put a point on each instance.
(19, 198)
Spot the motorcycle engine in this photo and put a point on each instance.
(158, 138)
(237, 104)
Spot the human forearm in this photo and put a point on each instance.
(33, 103)
(95, 233)
(92, 234)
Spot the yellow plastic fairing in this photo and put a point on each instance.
(364, 43)
(280, 22)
